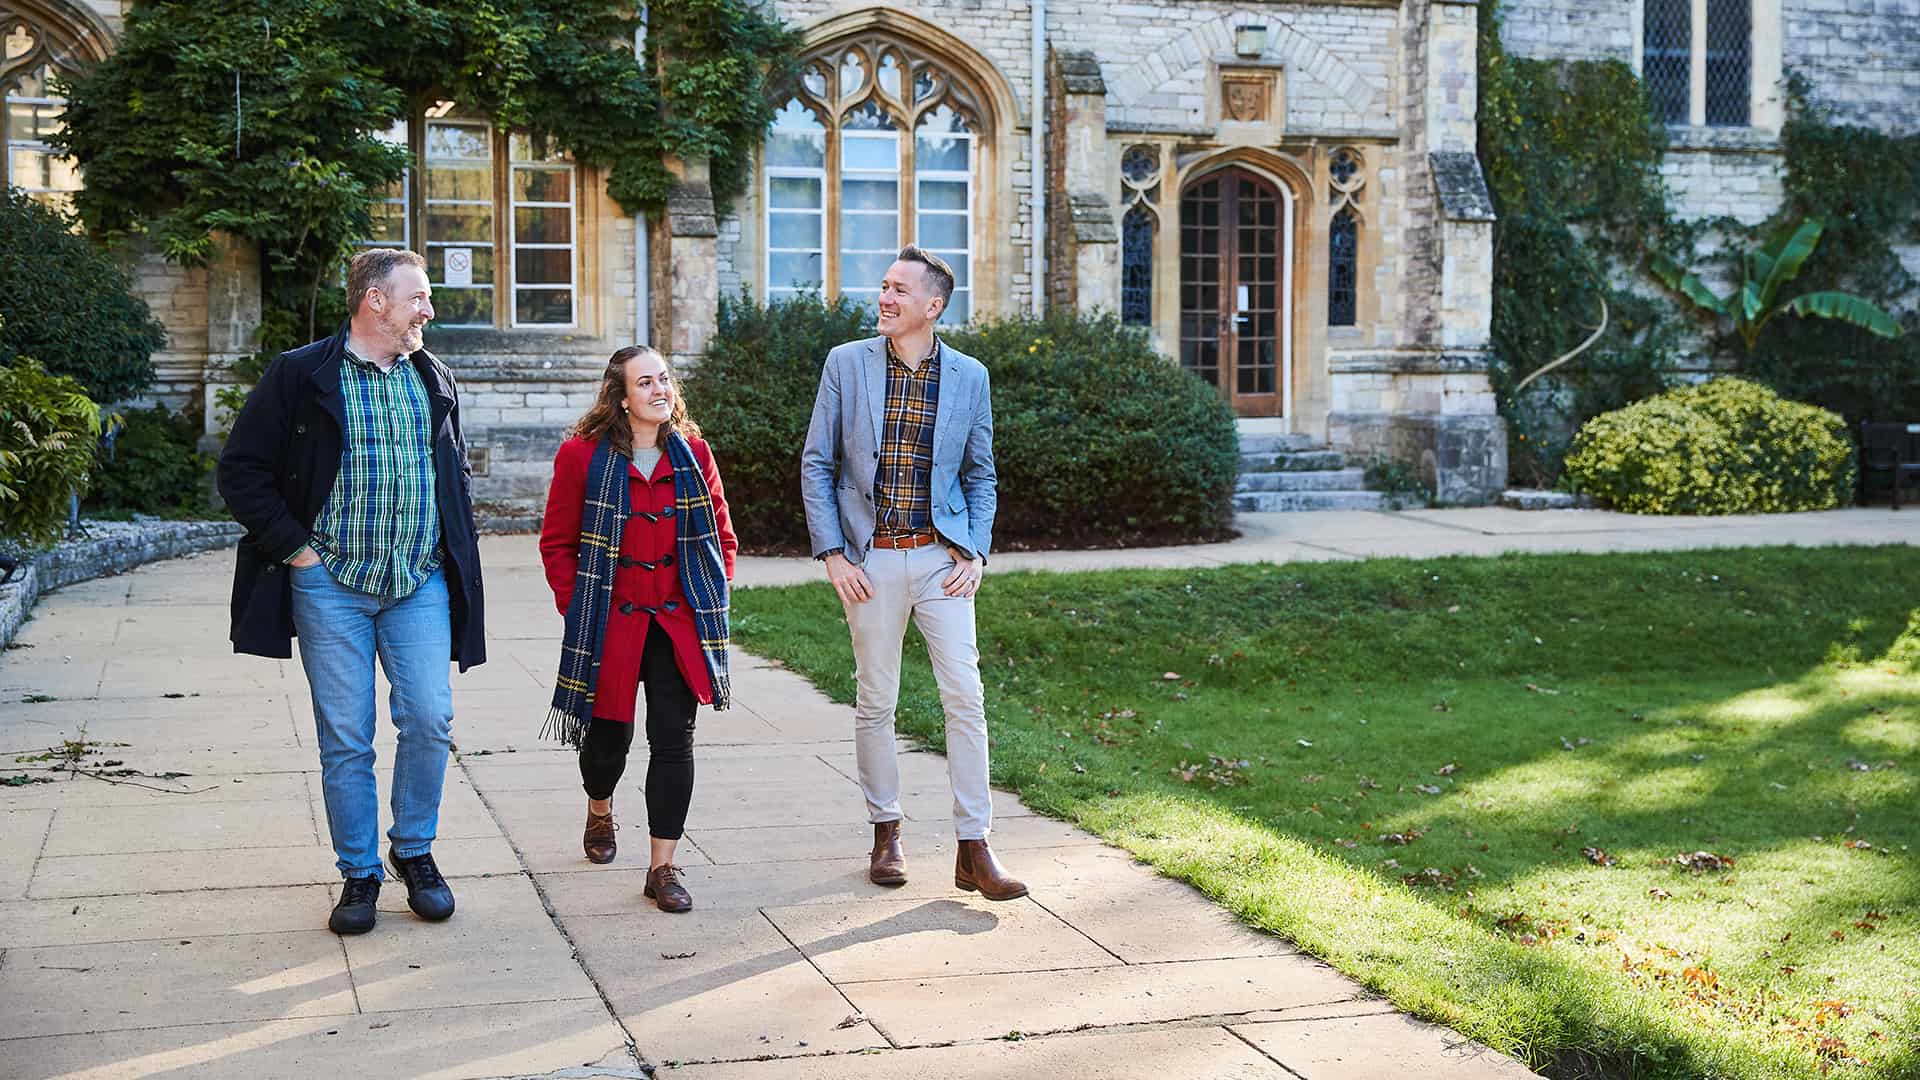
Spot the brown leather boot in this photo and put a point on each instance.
(664, 889)
(598, 840)
(889, 864)
(976, 870)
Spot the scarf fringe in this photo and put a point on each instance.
(569, 729)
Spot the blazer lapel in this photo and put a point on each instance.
(326, 379)
(874, 375)
(943, 409)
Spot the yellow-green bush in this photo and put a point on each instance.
(1724, 447)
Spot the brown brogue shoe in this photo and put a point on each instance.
(598, 840)
(976, 870)
(889, 864)
(664, 889)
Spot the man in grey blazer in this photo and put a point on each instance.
(898, 481)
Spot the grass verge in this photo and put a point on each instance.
(1629, 815)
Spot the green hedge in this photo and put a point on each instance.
(47, 433)
(156, 467)
(65, 302)
(1725, 447)
(1098, 439)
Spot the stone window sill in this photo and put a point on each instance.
(1740, 139)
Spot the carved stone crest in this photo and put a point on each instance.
(1245, 100)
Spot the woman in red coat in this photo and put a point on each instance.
(650, 639)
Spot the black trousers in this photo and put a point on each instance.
(670, 711)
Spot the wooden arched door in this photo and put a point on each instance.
(1235, 287)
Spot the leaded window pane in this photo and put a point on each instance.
(459, 221)
(1729, 62)
(1343, 276)
(1136, 267)
(1666, 58)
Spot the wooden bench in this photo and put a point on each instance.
(1891, 450)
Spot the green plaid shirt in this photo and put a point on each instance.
(380, 530)
(902, 489)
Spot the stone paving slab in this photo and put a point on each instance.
(925, 939)
(22, 834)
(714, 985)
(137, 917)
(74, 989)
(485, 1041)
(1211, 1053)
(1367, 1047)
(922, 1012)
(185, 871)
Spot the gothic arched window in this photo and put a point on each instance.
(1346, 174)
(1140, 190)
(841, 173)
(30, 58)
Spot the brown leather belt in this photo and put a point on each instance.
(906, 540)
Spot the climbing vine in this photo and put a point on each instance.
(261, 118)
(1865, 185)
(1572, 157)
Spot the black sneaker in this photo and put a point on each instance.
(427, 892)
(354, 914)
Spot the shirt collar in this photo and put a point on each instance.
(926, 363)
(366, 363)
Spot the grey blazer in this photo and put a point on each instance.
(842, 454)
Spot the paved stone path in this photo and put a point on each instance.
(179, 931)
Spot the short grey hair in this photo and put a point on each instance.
(372, 268)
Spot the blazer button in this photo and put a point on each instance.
(876, 455)
(299, 429)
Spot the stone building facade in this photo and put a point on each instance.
(1282, 194)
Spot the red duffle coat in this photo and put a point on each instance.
(649, 576)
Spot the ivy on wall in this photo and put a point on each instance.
(259, 118)
(1572, 157)
(1865, 184)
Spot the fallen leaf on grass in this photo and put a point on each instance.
(1540, 689)
(1659, 894)
(1407, 837)
(1171, 676)
(1304, 742)
(1597, 857)
(1702, 861)
(1431, 878)
(1446, 770)
(1838, 935)
(1442, 706)
(1427, 789)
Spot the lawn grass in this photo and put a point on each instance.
(1417, 769)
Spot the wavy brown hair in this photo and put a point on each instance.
(606, 419)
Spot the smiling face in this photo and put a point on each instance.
(650, 391)
(908, 301)
(401, 309)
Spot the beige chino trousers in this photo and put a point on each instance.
(906, 584)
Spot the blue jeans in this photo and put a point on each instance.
(340, 631)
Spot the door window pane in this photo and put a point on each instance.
(459, 215)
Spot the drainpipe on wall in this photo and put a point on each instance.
(642, 317)
(1037, 258)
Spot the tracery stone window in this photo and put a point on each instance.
(30, 58)
(841, 173)
(1140, 192)
(1346, 174)
(1696, 58)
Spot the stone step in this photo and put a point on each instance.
(1258, 443)
(1292, 461)
(1303, 480)
(1287, 501)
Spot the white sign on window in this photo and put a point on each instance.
(459, 267)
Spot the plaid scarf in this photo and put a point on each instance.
(703, 572)
(702, 577)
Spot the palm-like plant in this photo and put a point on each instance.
(1764, 272)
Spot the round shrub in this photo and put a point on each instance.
(47, 432)
(1724, 447)
(1098, 440)
(68, 304)
(156, 467)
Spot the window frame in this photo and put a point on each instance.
(908, 84)
(501, 237)
(1765, 109)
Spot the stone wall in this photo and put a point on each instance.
(1863, 57)
(1569, 29)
